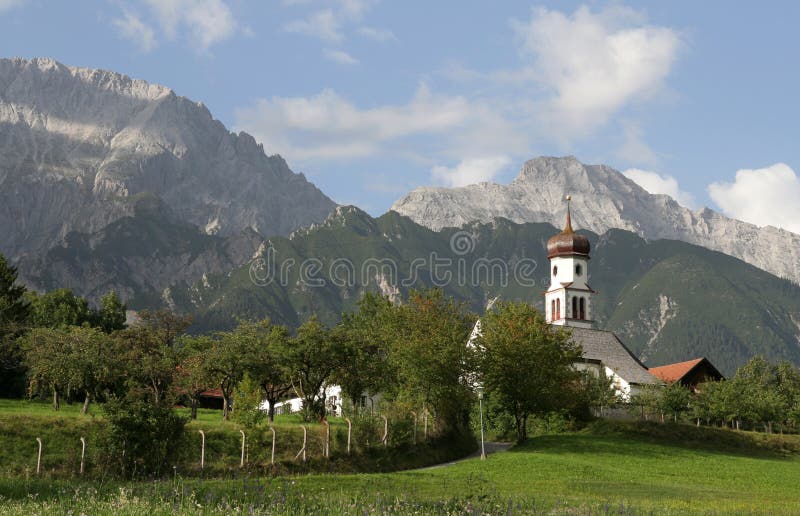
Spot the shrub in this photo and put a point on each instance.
(143, 438)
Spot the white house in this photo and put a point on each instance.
(333, 402)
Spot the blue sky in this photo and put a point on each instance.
(372, 98)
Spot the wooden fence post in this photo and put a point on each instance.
(83, 452)
(241, 462)
(302, 451)
(327, 438)
(202, 450)
(272, 461)
(349, 432)
(39, 457)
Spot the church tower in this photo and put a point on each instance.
(568, 300)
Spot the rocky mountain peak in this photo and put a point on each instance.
(78, 144)
(602, 199)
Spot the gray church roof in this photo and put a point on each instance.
(606, 347)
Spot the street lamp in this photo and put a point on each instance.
(480, 404)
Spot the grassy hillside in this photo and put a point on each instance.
(609, 468)
(669, 301)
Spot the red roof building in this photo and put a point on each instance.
(690, 373)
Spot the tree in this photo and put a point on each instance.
(58, 308)
(363, 334)
(266, 369)
(150, 363)
(111, 316)
(675, 400)
(232, 354)
(193, 376)
(71, 359)
(47, 353)
(94, 364)
(526, 363)
(247, 403)
(598, 389)
(430, 357)
(761, 401)
(788, 389)
(308, 360)
(648, 400)
(165, 324)
(14, 312)
(13, 305)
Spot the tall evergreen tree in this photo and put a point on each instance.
(14, 308)
(14, 313)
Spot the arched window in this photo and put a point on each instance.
(583, 308)
(558, 309)
(574, 313)
(552, 309)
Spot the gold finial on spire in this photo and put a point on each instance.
(568, 227)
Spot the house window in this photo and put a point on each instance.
(578, 270)
(583, 308)
(555, 271)
(558, 309)
(574, 308)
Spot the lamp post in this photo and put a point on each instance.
(480, 404)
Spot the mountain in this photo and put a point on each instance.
(138, 256)
(603, 199)
(78, 146)
(668, 300)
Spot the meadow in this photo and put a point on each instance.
(606, 468)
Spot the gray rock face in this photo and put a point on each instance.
(79, 146)
(602, 199)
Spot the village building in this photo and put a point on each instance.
(690, 374)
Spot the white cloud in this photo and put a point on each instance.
(660, 184)
(593, 64)
(329, 24)
(470, 171)
(204, 22)
(764, 196)
(131, 27)
(339, 56)
(208, 21)
(328, 126)
(323, 24)
(377, 34)
(7, 5)
(634, 149)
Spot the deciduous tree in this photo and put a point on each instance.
(526, 363)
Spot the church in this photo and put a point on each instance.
(568, 302)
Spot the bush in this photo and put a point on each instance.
(143, 438)
(247, 403)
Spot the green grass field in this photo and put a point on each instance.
(609, 468)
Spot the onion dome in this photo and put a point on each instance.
(567, 243)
